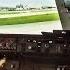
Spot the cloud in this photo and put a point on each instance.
(34, 3)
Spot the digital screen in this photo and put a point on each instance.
(7, 44)
(29, 16)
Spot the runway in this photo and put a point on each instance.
(31, 28)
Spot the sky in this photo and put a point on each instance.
(27, 3)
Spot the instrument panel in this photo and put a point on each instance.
(49, 51)
(48, 43)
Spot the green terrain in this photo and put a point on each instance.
(29, 19)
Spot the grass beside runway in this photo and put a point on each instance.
(29, 19)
